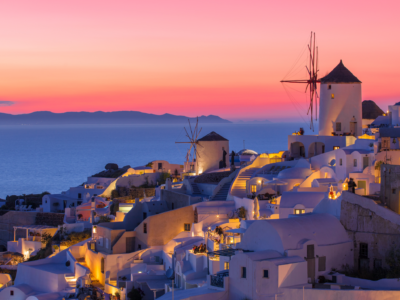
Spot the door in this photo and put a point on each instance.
(311, 263)
(365, 162)
(362, 184)
(130, 244)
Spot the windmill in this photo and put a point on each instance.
(312, 70)
(192, 156)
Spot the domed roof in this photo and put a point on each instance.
(295, 173)
(340, 74)
(247, 152)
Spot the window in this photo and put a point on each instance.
(226, 265)
(173, 205)
(79, 196)
(144, 227)
(355, 162)
(265, 274)
(338, 126)
(329, 87)
(363, 250)
(393, 191)
(323, 148)
(253, 188)
(243, 272)
(139, 247)
(102, 265)
(321, 263)
(144, 216)
(187, 227)
(332, 96)
(94, 195)
(159, 166)
(299, 211)
(341, 162)
(336, 147)
(11, 293)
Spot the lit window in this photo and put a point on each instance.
(338, 126)
(144, 227)
(299, 211)
(265, 275)
(329, 87)
(243, 272)
(336, 147)
(226, 265)
(355, 162)
(187, 227)
(341, 162)
(332, 96)
(253, 188)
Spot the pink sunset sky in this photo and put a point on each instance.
(188, 57)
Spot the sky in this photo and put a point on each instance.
(224, 58)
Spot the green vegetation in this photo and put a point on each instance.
(35, 200)
(104, 219)
(75, 238)
(136, 294)
(150, 165)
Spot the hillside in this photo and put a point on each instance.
(117, 117)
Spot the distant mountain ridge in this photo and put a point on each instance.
(100, 117)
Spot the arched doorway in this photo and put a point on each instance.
(316, 148)
(297, 150)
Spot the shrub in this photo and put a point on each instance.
(136, 294)
(76, 237)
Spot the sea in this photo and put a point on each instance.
(34, 159)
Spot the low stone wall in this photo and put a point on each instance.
(49, 219)
(20, 218)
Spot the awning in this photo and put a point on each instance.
(267, 191)
(236, 230)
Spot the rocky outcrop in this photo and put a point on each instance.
(212, 177)
(111, 172)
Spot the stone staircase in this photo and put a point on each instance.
(195, 189)
(222, 193)
(71, 280)
(239, 185)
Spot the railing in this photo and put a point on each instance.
(227, 246)
(218, 280)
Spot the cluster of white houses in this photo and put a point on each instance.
(281, 225)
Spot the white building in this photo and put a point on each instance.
(340, 103)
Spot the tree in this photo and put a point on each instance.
(136, 294)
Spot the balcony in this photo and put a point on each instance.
(218, 279)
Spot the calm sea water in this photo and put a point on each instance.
(34, 159)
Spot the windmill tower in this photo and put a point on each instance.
(192, 155)
(312, 80)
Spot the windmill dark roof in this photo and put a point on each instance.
(212, 136)
(370, 110)
(340, 74)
